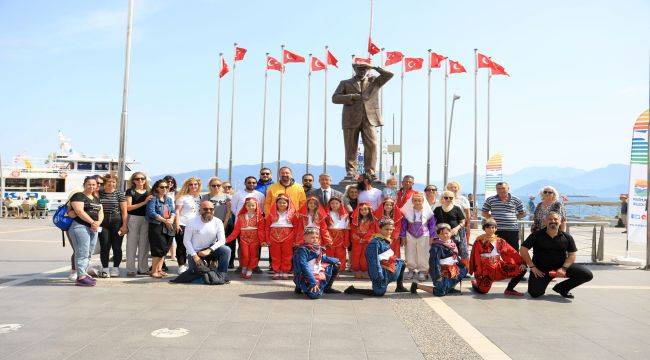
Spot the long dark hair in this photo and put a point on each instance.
(169, 179)
(154, 188)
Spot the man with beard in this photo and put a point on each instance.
(554, 256)
(205, 239)
(287, 186)
(307, 182)
(240, 196)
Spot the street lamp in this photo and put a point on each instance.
(451, 121)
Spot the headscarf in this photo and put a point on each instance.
(320, 211)
(397, 214)
(274, 216)
(355, 213)
(409, 212)
(258, 211)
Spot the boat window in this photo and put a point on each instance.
(83, 165)
(114, 167)
(47, 185)
(101, 166)
(70, 166)
(15, 184)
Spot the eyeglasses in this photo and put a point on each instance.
(139, 179)
(215, 185)
(207, 209)
(546, 192)
(448, 197)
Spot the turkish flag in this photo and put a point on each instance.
(358, 60)
(273, 64)
(497, 69)
(289, 56)
(393, 57)
(224, 68)
(411, 64)
(372, 48)
(317, 65)
(436, 60)
(239, 53)
(456, 67)
(331, 60)
(483, 61)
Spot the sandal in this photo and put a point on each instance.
(156, 275)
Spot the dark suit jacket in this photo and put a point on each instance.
(353, 110)
(319, 194)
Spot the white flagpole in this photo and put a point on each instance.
(232, 113)
(325, 114)
(266, 78)
(121, 166)
(475, 175)
(370, 31)
(446, 134)
(280, 115)
(308, 112)
(381, 128)
(401, 122)
(429, 121)
(216, 162)
(488, 114)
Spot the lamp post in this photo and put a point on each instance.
(451, 121)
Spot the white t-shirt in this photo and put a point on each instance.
(200, 235)
(238, 200)
(337, 222)
(462, 202)
(189, 208)
(372, 196)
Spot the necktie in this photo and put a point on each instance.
(325, 197)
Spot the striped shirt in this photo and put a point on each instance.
(111, 201)
(504, 212)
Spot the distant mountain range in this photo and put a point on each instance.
(609, 181)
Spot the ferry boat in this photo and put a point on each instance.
(57, 175)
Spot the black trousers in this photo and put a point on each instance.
(109, 239)
(181, 252)
(576, 276)
(510, 236)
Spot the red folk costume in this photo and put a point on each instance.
(361, 232)
(403, 196)
(397, 218)
(490, 263)
(303, 220)
(280, 235)
(251, 232)
(338, 227)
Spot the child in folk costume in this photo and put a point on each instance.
(312, 214)
(494, 259)
(280, 236)
(418, 226)
(313, 271)
(362, 228)
(388, 209)
(338, 227)
(251, 230)
(383, 266)
(445, 267)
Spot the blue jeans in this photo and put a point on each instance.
(84, 240)
(222, 255)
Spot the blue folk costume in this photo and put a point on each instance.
(310, 267)
(444, 268)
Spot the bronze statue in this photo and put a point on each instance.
(361, 114)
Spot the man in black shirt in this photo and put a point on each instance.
(554, 256)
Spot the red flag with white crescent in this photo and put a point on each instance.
(331, 60)
(358, 60)
(288, 57)
(436, 60)
(393, 57)
(273, 64)
(239, 53)
(224, 68)
(316, 64)
(372, 48)
(497, 69)
(411, 64)
(455, 67)
(483, 61)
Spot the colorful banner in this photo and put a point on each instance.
(493, 174)
(638, 191)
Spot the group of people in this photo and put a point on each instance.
(313, 234)
(30, 207)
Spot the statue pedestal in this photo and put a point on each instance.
(347, 181)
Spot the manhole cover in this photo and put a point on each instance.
(169, 333)
(7, 328)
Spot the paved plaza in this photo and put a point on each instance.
(264, 319)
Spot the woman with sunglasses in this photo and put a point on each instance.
(188, 201)
(137, 242)
(452, 215)
(115, 226)
(431, 194)
(549, 203)
(161, 215)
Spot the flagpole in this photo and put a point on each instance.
(266, 78)
(325, 114)
(488, 114)
(401, 122)
(429, 120)
(280, 115)
(121, 166)
(446, 134)
(370, 31)
(381, 128)
(308, 113)
(216, 162)
(475, 131)
(393, 153)
(232, 113)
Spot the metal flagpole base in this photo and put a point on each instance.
(627, 261)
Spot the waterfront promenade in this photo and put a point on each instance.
(44, 316)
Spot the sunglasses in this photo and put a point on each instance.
(547, 192)
(139, 179)
(194, 184)
(448, 197)
(434, 190)
(215, 185)
(228, 187)
(265, 173)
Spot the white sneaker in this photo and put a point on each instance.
(105, 273)
(182, 269)
(408, 275)
(115, 272)
(422, 276)
(73, 276)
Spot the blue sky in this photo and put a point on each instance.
(579, 77)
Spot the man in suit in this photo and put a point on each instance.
(325, 193)
(361, 114)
